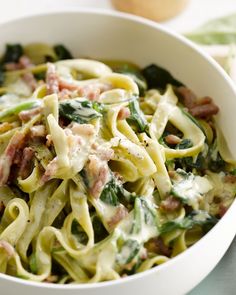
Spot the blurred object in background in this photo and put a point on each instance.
(158, 10)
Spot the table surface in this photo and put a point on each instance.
(222, 279)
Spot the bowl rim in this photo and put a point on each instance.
(187, 43)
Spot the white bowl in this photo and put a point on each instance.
(118, 36)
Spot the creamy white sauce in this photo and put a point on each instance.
(191, 189)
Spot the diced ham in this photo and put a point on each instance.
(26, 162)
(50, 171)
(204, 100)
(188, 97)
(25, 62)
(98, 175)
(12, 66)
(156, 245)
(120, 214)
(64, 85)
(200, 108)
(170, 204)
(172, 139)
(7, 158)
(82, 129)
(7, 247)
(124, 113)
(204, 110)
(38, 131)
(64, 94)
(30, 80)
(104, 153)
(91, 91)
(52, 82)
(29, 114)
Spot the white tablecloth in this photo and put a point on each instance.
(222, 279)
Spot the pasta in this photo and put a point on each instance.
(106, 170)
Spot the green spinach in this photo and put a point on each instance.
(80, 111)
(158, 77)
(215, 161)
(137, 116)
(111, 192)
(13, 52)
(194, 218)
(128, 251)
(143, 213)
(62, 52)
(100, 232)
(184, 144)
(78, 232)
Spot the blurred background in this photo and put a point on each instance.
(195, 13)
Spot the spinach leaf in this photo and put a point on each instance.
(184, 144)
(128, 252)
(158, 77)
(40, 76)
(233, 172)
(110, 193)
(215, 161)
(199, 163)
(190, 188)
(80, 111)
(199, 217)
(78, 232)
(187, 163)
(217, 164)
(137, 221)
(143, 213)
(137, 116)
(217, 31)
(62, 52)
(12, 53)
(100, 232)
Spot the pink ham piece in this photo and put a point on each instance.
(120, 214)
(29, 114)
(123, 114)
(8, 156)
(25, 166)
(52, 82)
